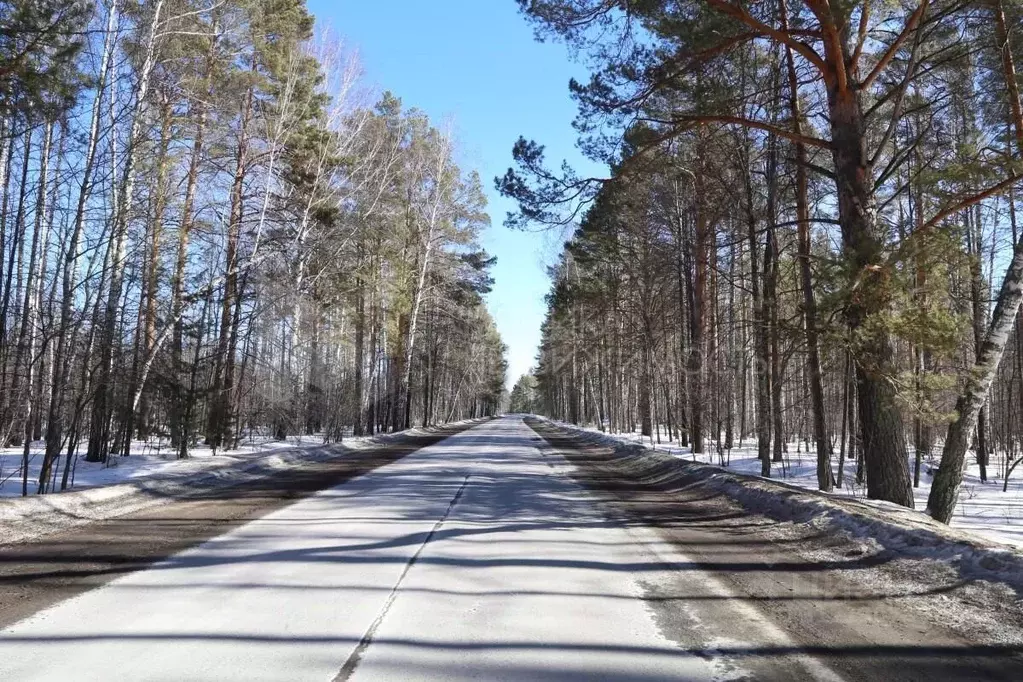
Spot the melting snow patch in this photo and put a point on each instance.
(129, 484)
(866, 526)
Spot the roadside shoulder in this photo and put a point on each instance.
(25, 518)
(912, 547)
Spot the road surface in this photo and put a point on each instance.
(482, 557)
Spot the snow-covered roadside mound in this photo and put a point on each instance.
(889, 527)
(989, 506)
(23, 518)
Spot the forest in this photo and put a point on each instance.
(810, 234)
(211, 229)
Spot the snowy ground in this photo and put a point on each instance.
(147, 459)
(150, 477)
(983, 508)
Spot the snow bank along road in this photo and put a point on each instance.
(488, 556)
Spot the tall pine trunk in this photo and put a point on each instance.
(880, 417)
(219, 432)
(825, 480)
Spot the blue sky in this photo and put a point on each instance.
(475, 63)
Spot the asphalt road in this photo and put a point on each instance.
(491, 555)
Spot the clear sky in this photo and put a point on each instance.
(475, 63)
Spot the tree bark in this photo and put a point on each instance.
(62, 351)
(881, 422)
(949, 477)
(99, 436)
(218, 431)
(825, 480)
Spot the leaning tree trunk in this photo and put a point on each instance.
(99, 439)
(949, 477)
